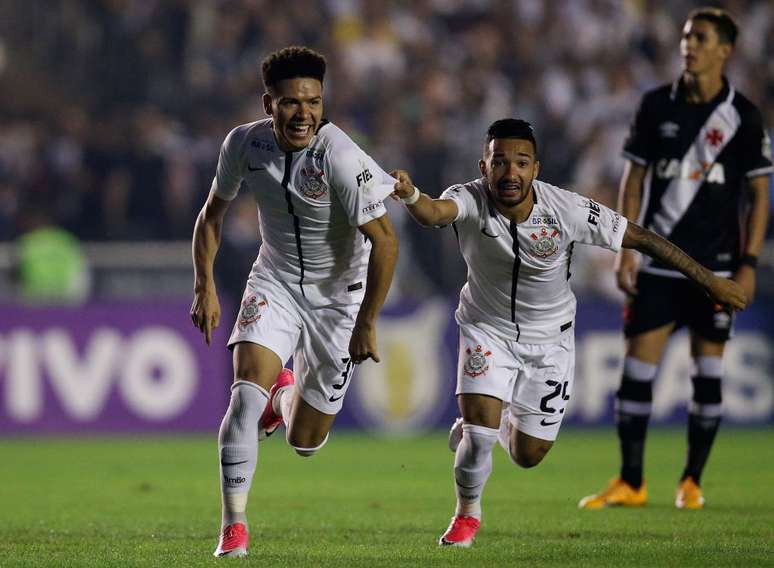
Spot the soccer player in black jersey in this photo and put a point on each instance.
(697, 155)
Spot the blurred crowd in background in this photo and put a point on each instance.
(112, 111)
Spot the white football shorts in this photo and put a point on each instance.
(279, 318)
(535, 380)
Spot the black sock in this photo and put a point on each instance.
(701, 435)
(702, 424)
(631, 433)
(632, 416)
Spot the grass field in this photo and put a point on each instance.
(375, 502)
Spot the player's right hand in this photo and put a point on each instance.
(404, 186)
(626, 273)
(727, 293)
(205, 311)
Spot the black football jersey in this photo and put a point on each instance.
(698, 157)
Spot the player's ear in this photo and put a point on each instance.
(266, 100)
(537, 169)
(725, 49)
(482, 167)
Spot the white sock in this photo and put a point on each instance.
(472, 466)
(238, 448)
(283, 402)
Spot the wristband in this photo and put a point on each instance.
(749, 260)
(413, 198)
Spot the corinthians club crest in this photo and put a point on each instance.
(251, 311)
(312, 184)
(477, 363)
(544, 244)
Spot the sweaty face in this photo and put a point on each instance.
(701, 48)
(296, 107)
(509, 167)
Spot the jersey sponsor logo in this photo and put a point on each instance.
(264, 145)
(252, 169)
(317, 157)
(312, 184)
(594, 209)
(251, 311)
(686, 169)
(483, 231)
(545, 243)
(669, 129)
(234, 480)
(371, 207)
(363, 177)
(544, 423)
(477, 363)
(616, 222)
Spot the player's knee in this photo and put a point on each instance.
(528, 457)
(527, 460)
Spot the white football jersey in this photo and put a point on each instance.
(310, 203)
(518, 273)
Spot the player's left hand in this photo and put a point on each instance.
(727, 293)
(362, 345)
(745, 277)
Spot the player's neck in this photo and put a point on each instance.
(702, 87)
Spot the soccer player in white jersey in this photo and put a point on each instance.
(317, 286)
(516, 311)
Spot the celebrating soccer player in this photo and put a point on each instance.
(516, 311)
(307, 295)
(696, 152)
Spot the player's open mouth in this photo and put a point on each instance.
(299, 130)
(510, 189)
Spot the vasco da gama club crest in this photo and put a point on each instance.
(478, 362)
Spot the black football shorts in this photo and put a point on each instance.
(662, 300)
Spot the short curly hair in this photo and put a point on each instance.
(291, 62)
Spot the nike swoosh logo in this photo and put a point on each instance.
(544, 423)
(232, 463)
(335, 398)
(252, 169)
(483, 230)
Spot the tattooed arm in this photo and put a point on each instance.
(724, 291)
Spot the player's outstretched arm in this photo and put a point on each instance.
(724, 291)
(205, 311)
(427, 211)
(381, 267)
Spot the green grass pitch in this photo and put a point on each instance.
(376, 502)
